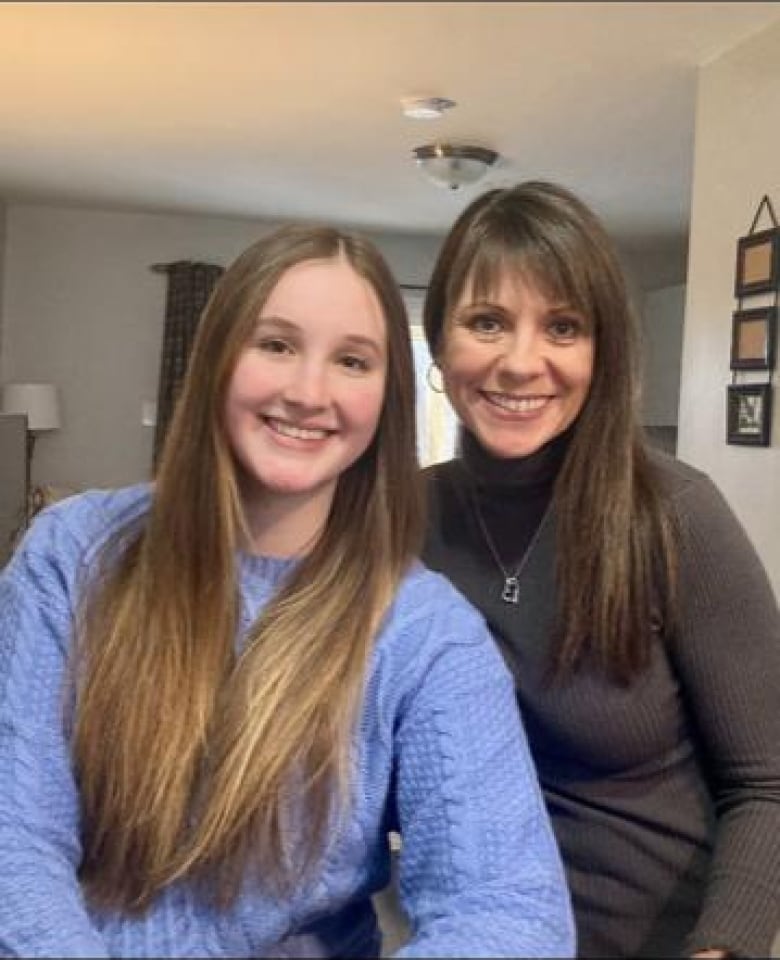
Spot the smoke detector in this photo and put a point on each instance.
(425, 108)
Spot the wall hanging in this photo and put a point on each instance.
(750, 414)
(753, 336)
(758, 261)
(754, 333)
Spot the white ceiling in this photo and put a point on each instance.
(292, 109)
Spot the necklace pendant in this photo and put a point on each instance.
(511, 592)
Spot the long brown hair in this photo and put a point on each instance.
(615, 552)
(188, 757)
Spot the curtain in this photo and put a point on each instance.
(189, 288)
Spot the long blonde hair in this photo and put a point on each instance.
(616, 555)
(188, 755)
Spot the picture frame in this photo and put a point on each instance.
(749, 414)
(758, 262)
(753, 339)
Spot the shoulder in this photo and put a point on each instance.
(429, 619)
(676, 479)
(440, 475)
(41, 586)
(717, 560)
(68, 534)
(445, 490)
(92, 516)
(691, 495)
(424, 595)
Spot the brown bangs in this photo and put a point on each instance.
(485, 261)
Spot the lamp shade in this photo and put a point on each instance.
(38, 401)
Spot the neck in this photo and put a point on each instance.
(538, 469)
(285, 525)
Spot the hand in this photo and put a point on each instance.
(711, 953)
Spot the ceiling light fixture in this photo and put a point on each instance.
(453, 166)
(425, 108)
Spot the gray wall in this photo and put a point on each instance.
(663, 313)
(82, 309)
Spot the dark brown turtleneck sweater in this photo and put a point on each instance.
(665, 795)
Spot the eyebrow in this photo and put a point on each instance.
(368, 343)
(561, 306)
(277, 322)
(352, 339)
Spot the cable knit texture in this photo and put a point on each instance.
(439, 755)
(665, 794)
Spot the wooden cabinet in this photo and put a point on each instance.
(13, 481)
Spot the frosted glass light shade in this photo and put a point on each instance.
(453, 166)
(38, 401)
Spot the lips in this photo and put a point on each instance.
(515, 404)
(286, 429)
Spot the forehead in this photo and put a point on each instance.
(328, 296)
(508, 279)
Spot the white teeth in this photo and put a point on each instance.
(517, 404)
(298, 433)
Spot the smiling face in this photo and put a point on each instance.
(306, 394)
(517, 366)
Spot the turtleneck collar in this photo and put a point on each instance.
(539, 469)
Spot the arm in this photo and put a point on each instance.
(727, 652)
(42, 913)
(479, 869)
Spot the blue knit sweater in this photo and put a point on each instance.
(440, 756)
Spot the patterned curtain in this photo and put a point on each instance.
(189, 288)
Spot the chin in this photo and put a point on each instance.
(518, 440)
(291, 487)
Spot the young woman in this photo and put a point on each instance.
(636, 618)
(219, 692)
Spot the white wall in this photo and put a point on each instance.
(662, 328)
(735, 164)
(81, 308)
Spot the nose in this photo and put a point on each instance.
(523, 356)
(307, 386)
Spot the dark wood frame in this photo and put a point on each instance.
(766, 315)
(744, 287)
(738, 433)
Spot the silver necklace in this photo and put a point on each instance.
(511, 591)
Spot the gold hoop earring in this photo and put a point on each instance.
(436, 387)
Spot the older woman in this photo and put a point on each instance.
(640, 627)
